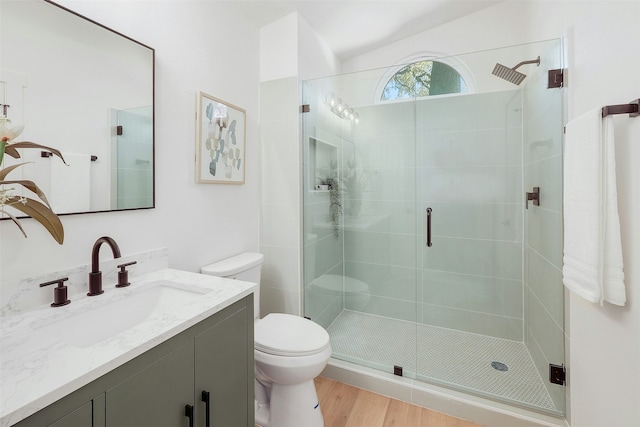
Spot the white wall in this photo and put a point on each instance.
(290, 47)
(196, 50)
(315, 58)
(290, 51)
(279, 48)
(603, 59)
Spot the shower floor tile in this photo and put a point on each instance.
(442, 356)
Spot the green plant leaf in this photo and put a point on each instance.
(42, 214)
(31, 186)
(4, 172)
(10, 149)
(15, 220)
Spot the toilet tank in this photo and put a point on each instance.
(245, 266)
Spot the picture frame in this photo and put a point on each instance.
(221, 141)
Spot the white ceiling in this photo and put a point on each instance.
(352, 27)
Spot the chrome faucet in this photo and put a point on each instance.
(95, 277)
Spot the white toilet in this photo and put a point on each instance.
(290, 351)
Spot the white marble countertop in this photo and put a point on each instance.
(37, 369)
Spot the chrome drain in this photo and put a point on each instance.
(499, 366)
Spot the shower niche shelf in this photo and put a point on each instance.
(323, 162)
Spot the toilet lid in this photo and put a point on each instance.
(288, 335)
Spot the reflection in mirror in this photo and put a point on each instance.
(131, 167)
(87, 91)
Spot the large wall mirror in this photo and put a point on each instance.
(87, 91)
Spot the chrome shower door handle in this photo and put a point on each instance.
(429, 210)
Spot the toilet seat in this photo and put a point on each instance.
(282, 334)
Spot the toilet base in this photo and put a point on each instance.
(294, 405)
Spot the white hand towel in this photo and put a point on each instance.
(70, 183)
(613, 277)
(592, 245)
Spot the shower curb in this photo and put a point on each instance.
(440, 399)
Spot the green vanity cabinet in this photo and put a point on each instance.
(81, 417)
(221, 359)
(72, 411)
(215, 356)
(157, 395)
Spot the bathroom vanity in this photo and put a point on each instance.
(190, 364)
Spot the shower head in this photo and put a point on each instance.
(510, 74)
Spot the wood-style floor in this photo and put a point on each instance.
(347, 406)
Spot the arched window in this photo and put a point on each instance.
(423, 78)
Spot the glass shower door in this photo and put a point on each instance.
(490, 313)
(360, 225)
(380, 229)
(471, 179)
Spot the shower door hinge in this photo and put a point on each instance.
(305, 108)
(557, 374)
(556, 78)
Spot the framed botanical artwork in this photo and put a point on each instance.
(220, 147)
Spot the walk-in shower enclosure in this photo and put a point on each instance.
(480, 310)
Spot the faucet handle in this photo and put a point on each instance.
(123, 275)
(59, 292)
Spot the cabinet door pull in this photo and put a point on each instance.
(207, 404)
(188, 412)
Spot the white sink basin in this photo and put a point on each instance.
(92, 326)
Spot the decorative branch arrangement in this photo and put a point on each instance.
(40, 211)
(335, 206)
